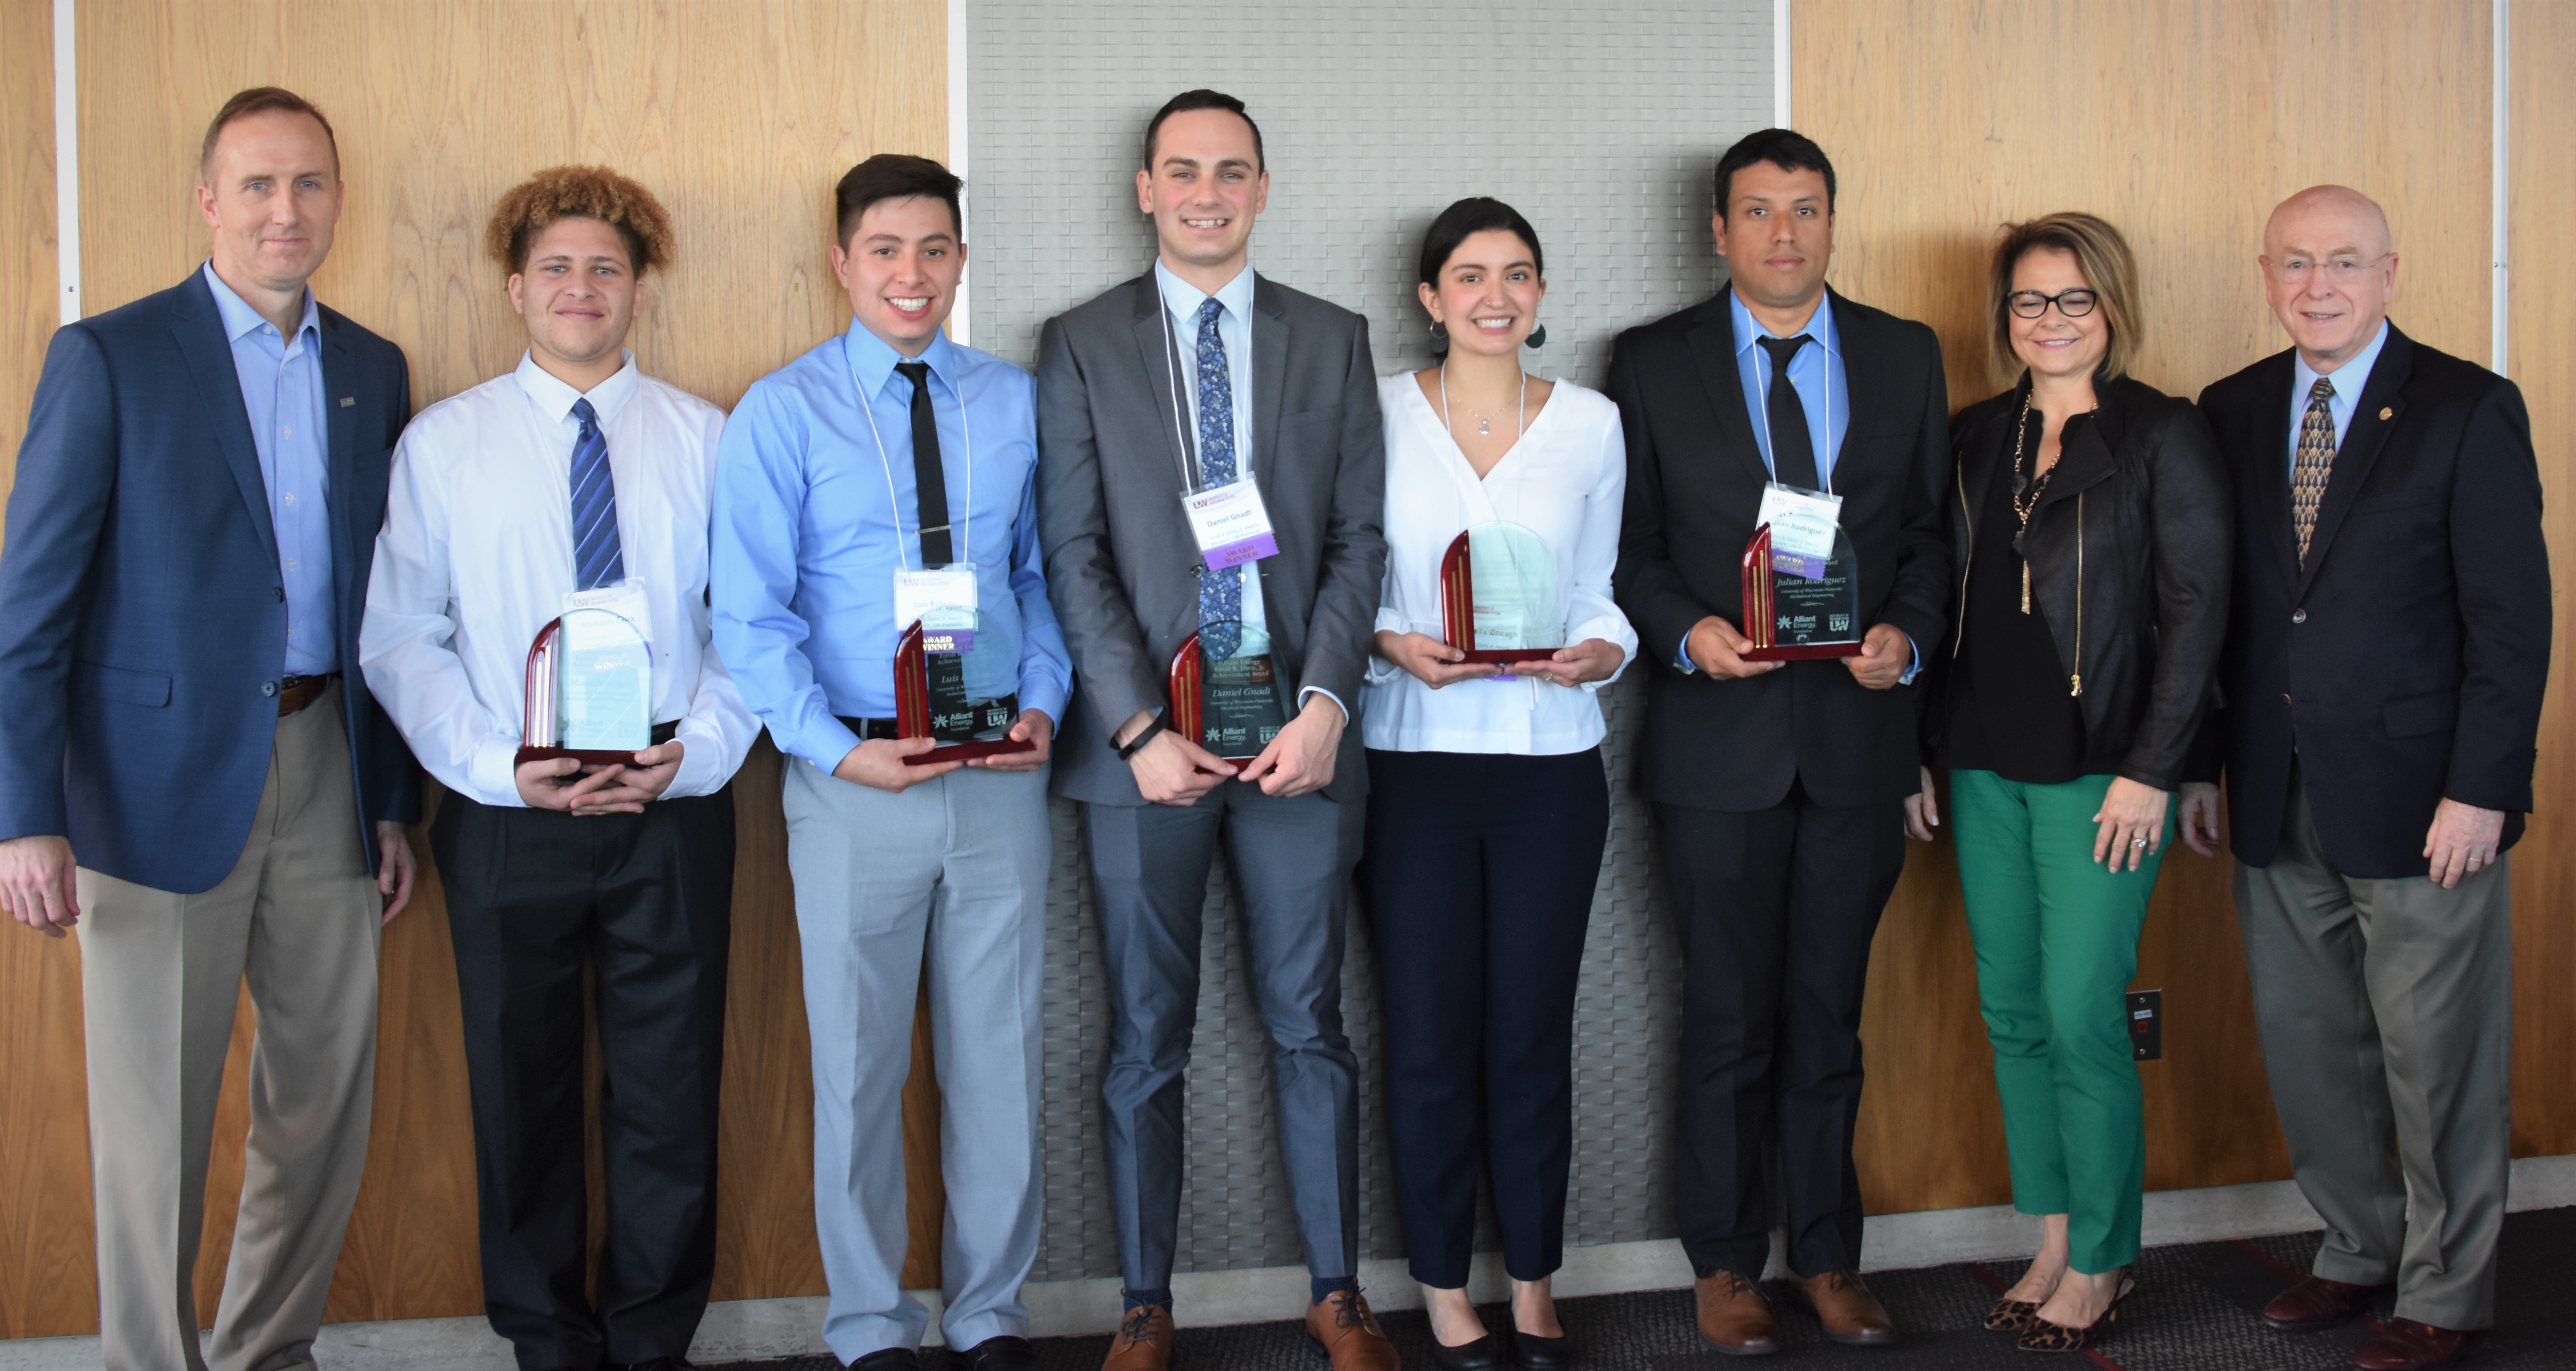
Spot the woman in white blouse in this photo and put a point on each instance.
(1488, 807)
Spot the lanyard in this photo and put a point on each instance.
(966, 530)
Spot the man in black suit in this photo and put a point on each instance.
(2386, 653)
(1778, 787)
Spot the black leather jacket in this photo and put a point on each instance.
(2129, 559)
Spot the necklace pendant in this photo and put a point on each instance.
(2025, 586)
(1485, 426)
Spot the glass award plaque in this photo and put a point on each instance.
(1228, 692)
(588, 690)
(1796, 607)
(1498, 595)
(956, 686)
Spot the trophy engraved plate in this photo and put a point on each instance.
(961, 697)
(588, 690)
(1499, 599)
(1792, 617)
(1230, 702)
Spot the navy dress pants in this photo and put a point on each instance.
(1479, 872)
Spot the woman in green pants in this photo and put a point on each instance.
(2091, 524)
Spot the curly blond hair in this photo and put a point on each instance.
(579, 193)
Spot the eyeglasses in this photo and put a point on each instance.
(2074, 304)
(2342, 270)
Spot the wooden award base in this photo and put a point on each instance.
(1188, 667)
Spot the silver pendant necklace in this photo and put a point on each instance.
(1484, 422)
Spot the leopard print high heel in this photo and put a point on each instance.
(2043, 1336)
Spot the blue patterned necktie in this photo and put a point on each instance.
(1220, 592)
(596, 558)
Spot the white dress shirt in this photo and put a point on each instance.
(476, 556)
(1563, 480)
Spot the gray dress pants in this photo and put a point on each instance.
(2386, 1009)
(1292, 861)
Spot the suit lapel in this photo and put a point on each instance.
(199, 327)
(1159, 354)
(1712, 344)
(1862, 365)
(1269, 378)
(2363, 439)
(340, 427)
(2272, 427)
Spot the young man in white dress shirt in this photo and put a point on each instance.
(573, 473)
(884, 460)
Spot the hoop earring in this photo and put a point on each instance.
(1538, 337)
(1439, 339)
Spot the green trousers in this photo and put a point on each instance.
(2057, 944)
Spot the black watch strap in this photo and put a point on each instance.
(1143, 736)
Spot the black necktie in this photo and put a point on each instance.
(930, 483)
(1793, 451)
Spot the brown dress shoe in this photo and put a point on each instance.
(1144, 1341)
(1734, 1317)
(1343, 1326)
(2405, 1345)
(1848, 1311)
(2316, 1302)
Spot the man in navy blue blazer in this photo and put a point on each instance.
(192, 762)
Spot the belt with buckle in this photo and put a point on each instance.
(296, 692)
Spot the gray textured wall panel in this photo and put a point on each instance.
(1601, 127)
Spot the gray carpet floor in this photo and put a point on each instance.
(2194, 1311)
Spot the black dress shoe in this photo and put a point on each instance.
(889, 1359)
(1003, 1353)
(1530, 1352)
(654, 1364)
(1484, 1354)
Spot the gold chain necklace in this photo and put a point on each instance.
(2038, 487)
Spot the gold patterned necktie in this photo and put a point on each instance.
(2315, 461)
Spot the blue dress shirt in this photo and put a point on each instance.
(1817, 372)
(815, 512)
(2348, 382)
(281, 386)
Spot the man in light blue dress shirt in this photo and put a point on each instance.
(892, 450)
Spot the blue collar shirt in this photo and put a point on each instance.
(2349, 379)
(816, 509)
(1817, 372)
(281, 387)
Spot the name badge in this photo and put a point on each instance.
(943, 600)
(1231, 524)
(1802, 523)
(625, 600)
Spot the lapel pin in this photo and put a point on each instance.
(2386, 411)
(351, 402)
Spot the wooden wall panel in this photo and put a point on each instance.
(46, 1261)
(2541, 356)
(740, 114)
(2183, 121)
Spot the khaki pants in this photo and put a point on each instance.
(2386, 1009)
(160, 976)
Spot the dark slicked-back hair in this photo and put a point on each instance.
(1468, 217)
(1783, 148)
(1204, 99)
(533, 205)
(895, 176)
(261, 100)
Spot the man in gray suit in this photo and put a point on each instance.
(1194, 378)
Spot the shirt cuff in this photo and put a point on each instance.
(701, 751)
(1336, 699)
(493, 771)
(1916, 669)
(1681, 659)
(1040, 692)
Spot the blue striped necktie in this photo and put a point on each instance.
(1220, 592)
(596, 559)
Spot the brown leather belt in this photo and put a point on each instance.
(296, 692)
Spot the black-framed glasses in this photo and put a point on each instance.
(2074, 304)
